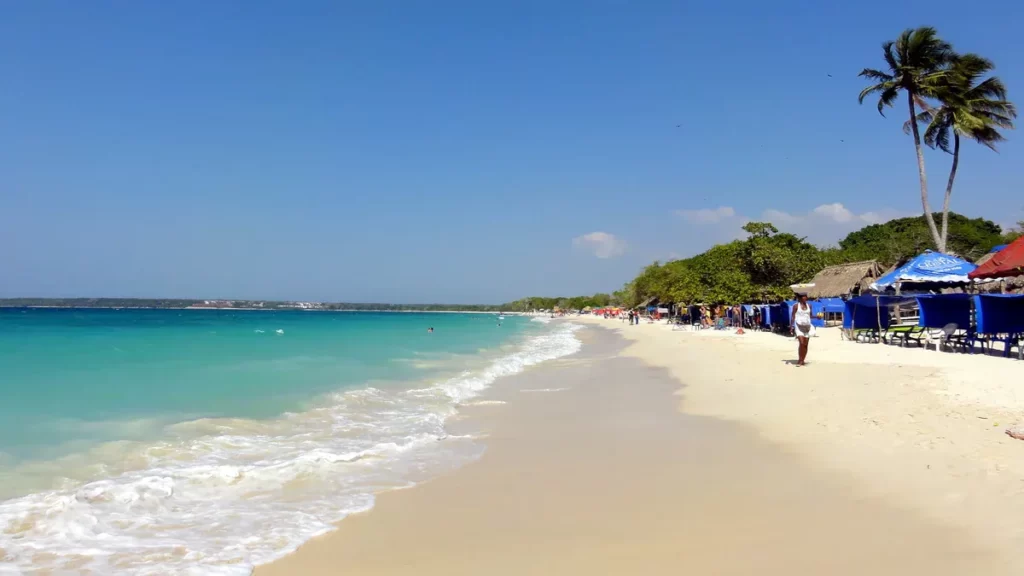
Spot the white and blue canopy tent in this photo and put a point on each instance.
(928, 268)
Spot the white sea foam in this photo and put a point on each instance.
(228, 494)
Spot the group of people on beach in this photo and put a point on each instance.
(721, 316)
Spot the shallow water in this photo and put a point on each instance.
(155, 441)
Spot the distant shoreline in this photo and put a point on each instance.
(240, 309)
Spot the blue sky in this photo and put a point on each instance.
(450, 151)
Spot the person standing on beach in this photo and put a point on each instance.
(800, 324)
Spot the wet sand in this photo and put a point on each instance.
(591, 469)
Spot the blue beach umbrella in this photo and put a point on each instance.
(927, 267)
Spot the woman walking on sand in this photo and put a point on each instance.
(800, 324)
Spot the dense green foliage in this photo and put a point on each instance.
(969, 238)
(764, 265)
(760, 268)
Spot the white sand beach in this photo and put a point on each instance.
(663, 452)
(919, 428)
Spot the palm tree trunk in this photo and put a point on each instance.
(921, 175)
(949, 190)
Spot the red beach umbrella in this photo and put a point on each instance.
(1007, 262)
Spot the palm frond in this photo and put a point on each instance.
(887, 97)
(875, 75)
(997, 120)
(991, 88)
(987, 136)
(871, 90)
(937, 136)
(890, 57)
(923, 117)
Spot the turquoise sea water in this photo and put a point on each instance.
(74, 376)
(207, 441)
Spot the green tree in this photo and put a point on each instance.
(971, 106)
(774, 261)
(898, 239)
(918, 63)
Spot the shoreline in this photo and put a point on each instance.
(625, 438)
(261, 309)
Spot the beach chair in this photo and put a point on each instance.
(941, 337)
(963, 341)
(870, 335)
(903, 334)
(915, 335)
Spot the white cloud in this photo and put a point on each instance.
(835, 211)
(778, 217)
(824, 224)
(602, 244)
(708, 215)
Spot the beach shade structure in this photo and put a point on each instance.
(1001, 315)
(832, 309)
(868, 317)
(866, 312)
(832, 305)
(929, 267)
(780, 315)
(1006, 262)
(941, 310)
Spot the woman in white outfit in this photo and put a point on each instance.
(800, 324)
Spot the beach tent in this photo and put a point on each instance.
(927, 267)
(832, 305)
(999, 313)
(871, 311)
(780, 315)
(940, 310)
(1009, 261)
(863, 312)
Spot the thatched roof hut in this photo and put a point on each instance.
(844, 279)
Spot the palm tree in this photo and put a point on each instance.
(918, 64)
(971, 106)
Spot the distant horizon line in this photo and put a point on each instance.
(12, 299)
